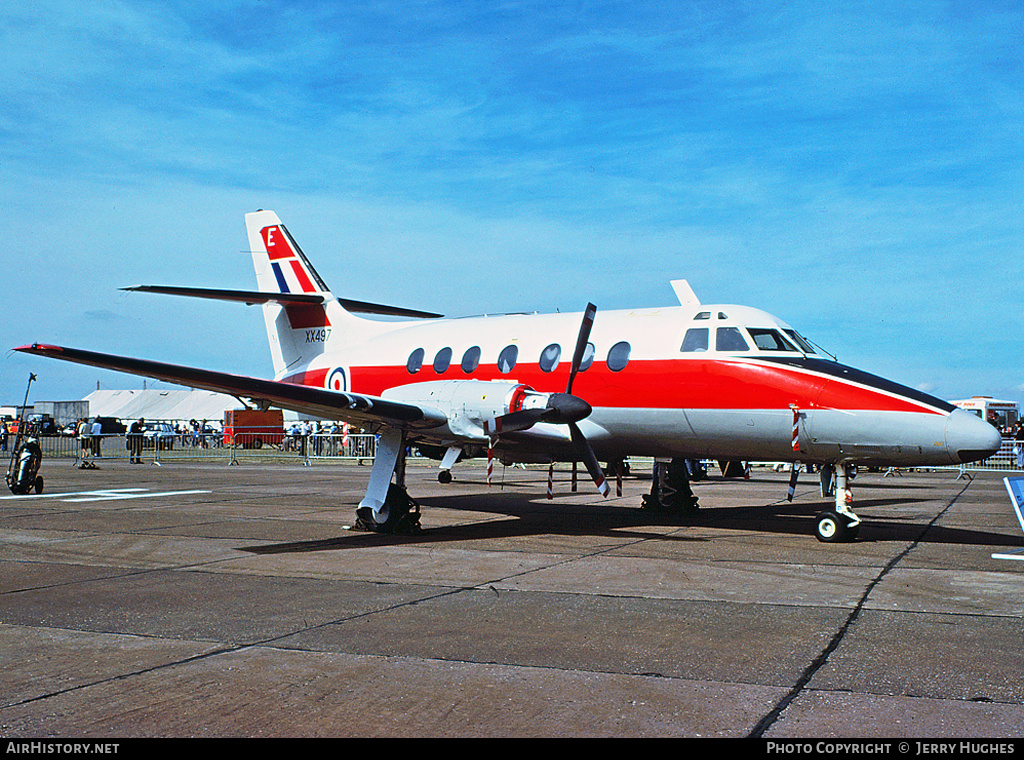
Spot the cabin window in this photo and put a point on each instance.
(730, 339)
(703, 315)
(471, 359)
(549, 357)
(507, 359)
(442, 360)
(415, 363)
(696, 339)
(588, 357)
(769, 340)
(618, 356)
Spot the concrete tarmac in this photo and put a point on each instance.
(205, 600)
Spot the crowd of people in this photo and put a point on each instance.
(322, 439)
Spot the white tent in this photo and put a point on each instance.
(160, 404)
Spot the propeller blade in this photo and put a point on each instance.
(581, 344)
(587, 456)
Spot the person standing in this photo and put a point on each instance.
(97, 437)
(83, 437)
(135, 440)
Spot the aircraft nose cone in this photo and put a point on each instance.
(970, 438)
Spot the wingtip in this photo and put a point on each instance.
(37, 348)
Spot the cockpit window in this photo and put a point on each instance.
(696, 339)
(730, 339)
(801, 341)
(769, 340)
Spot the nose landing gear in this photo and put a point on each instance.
(840, 524)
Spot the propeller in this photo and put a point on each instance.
(563, 409)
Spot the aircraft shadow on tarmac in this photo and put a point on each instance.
(529, 515)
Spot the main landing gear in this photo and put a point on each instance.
(840, 524)
(400, 514)
(670, 489)
(387, 507)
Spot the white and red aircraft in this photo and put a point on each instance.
(692, 381)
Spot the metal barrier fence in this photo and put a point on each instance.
(210, 447)
(1009, 458)
(326, 447)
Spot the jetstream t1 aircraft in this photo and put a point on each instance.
(692, 381)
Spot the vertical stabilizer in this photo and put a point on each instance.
(298, 332)
(281, 266)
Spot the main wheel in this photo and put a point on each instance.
(399, 514)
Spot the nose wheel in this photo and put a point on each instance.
(838, 525)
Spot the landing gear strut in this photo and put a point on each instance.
(387, 507)
(840, 524)
(451, 456)
(670, 489)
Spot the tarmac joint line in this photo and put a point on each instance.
(773, 715)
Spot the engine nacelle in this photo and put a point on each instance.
(469, 404)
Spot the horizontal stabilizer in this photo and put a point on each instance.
(258, 297)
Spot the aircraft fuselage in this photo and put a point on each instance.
(724, 382)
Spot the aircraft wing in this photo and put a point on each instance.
(355, 408)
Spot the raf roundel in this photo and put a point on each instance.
(336, 380)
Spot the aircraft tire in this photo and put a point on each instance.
(445, 476)
(402, 514)
(830, 528)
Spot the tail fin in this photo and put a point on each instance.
(281, 266)
(298, 332)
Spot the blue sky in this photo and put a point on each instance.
(856, 169)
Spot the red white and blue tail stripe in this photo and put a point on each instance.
(280, 264)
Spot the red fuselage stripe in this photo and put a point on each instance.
(658, 384)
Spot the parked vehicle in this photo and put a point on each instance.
(110, 425)
(251, 429)
(159, 436)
